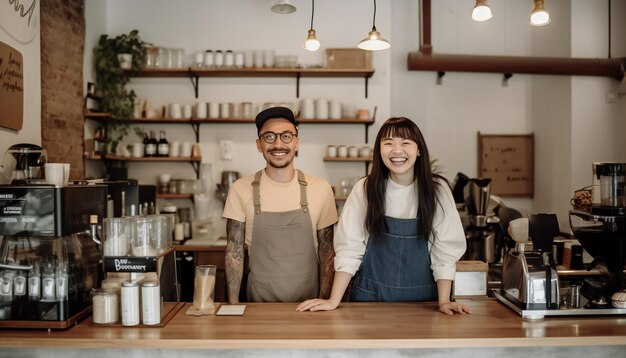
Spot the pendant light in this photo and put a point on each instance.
(373, 41)
(481, 11)
(311, 42)
(539, 16)
(283, 7)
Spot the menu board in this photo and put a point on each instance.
(509, 161)
(11, 87)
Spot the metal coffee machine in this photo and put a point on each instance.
(49, 261)
(602, 233)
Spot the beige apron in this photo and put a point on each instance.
(283, 262)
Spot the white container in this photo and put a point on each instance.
(238, 59)
(209, 59)
(307, 108)
(151, 303)
(321, 108)
(331, 151)
(201, 110)
(353, 152)
(365, 152)
(342, 151)
(185, 149)
(214, 110)
(229, 59)
(219, 58)
(224, 110)
(248, 59)
(174, 149)
(268, 58)
(199, 60)
(258, 58)
(334, 109)
(137, 150)
(187, 111)
(130, 303)
(175, 110)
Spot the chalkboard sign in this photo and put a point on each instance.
(509, 161)
(11, 87)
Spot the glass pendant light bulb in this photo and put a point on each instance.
(311, 42)
(481, 11)
(373, 41)
(539, 16)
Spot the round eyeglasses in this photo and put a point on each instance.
(285, 137)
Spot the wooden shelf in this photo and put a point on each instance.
(337, 159)
(194, 74)
(254, 72)
(174, 196)
(106, 117)
(151, 159)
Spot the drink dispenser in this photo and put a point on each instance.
(49, 261)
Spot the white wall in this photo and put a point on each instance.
(24, 38)
(555, 108)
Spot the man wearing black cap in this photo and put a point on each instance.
(284, 218)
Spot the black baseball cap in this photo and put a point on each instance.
(275, 112)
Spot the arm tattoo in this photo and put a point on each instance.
(235, 232)
(326, 253)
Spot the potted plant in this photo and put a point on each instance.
(113, 69)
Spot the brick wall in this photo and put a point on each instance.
(62, 47)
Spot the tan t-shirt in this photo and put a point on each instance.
(281, 197)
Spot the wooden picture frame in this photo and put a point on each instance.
(509, 161)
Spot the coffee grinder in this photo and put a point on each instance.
(481, 228)
(49, 261)
(602, 233)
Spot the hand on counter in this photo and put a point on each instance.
(451, 307)
(317, 304)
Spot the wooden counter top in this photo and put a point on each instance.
(353, 325)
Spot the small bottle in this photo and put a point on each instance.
(229, 58)
(567, 254)
(61, 281)
(48, 284)
(19, 284)
(151, 146)
(146, 140)
(130, 303)
(34, 283)
(199, 59)
(163, 147)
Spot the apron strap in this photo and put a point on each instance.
(303, 199)
(256, 197)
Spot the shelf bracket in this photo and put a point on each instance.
(193, 76)
(367, 78)
(298, 85)
(196, 129)
(196, 168)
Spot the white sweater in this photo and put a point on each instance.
(401, 202)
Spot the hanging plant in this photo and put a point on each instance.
(111, 79)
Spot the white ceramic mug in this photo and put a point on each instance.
(57, 173)
(224, 110)
(353, 152)
(331, 151)
(342, 151)
(187, 111)
(214, 110)
(334, 109)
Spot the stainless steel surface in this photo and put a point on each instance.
(540, 314)
(524, 277)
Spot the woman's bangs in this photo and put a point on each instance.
(399, 130)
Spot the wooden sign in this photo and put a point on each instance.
(509, 161)
(11, 88)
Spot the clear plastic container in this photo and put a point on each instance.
(106, 306)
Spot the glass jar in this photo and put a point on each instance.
(105, 306)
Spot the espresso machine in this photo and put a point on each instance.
(602, 233)
(49, 261)
(23, 163)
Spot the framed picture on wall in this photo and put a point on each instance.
(509, 160)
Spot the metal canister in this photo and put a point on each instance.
(574, 296)
(151, 303)
(130, 303)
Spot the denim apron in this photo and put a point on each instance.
(283, 260)
(395, 266)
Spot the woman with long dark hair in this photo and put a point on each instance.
(399, 233)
